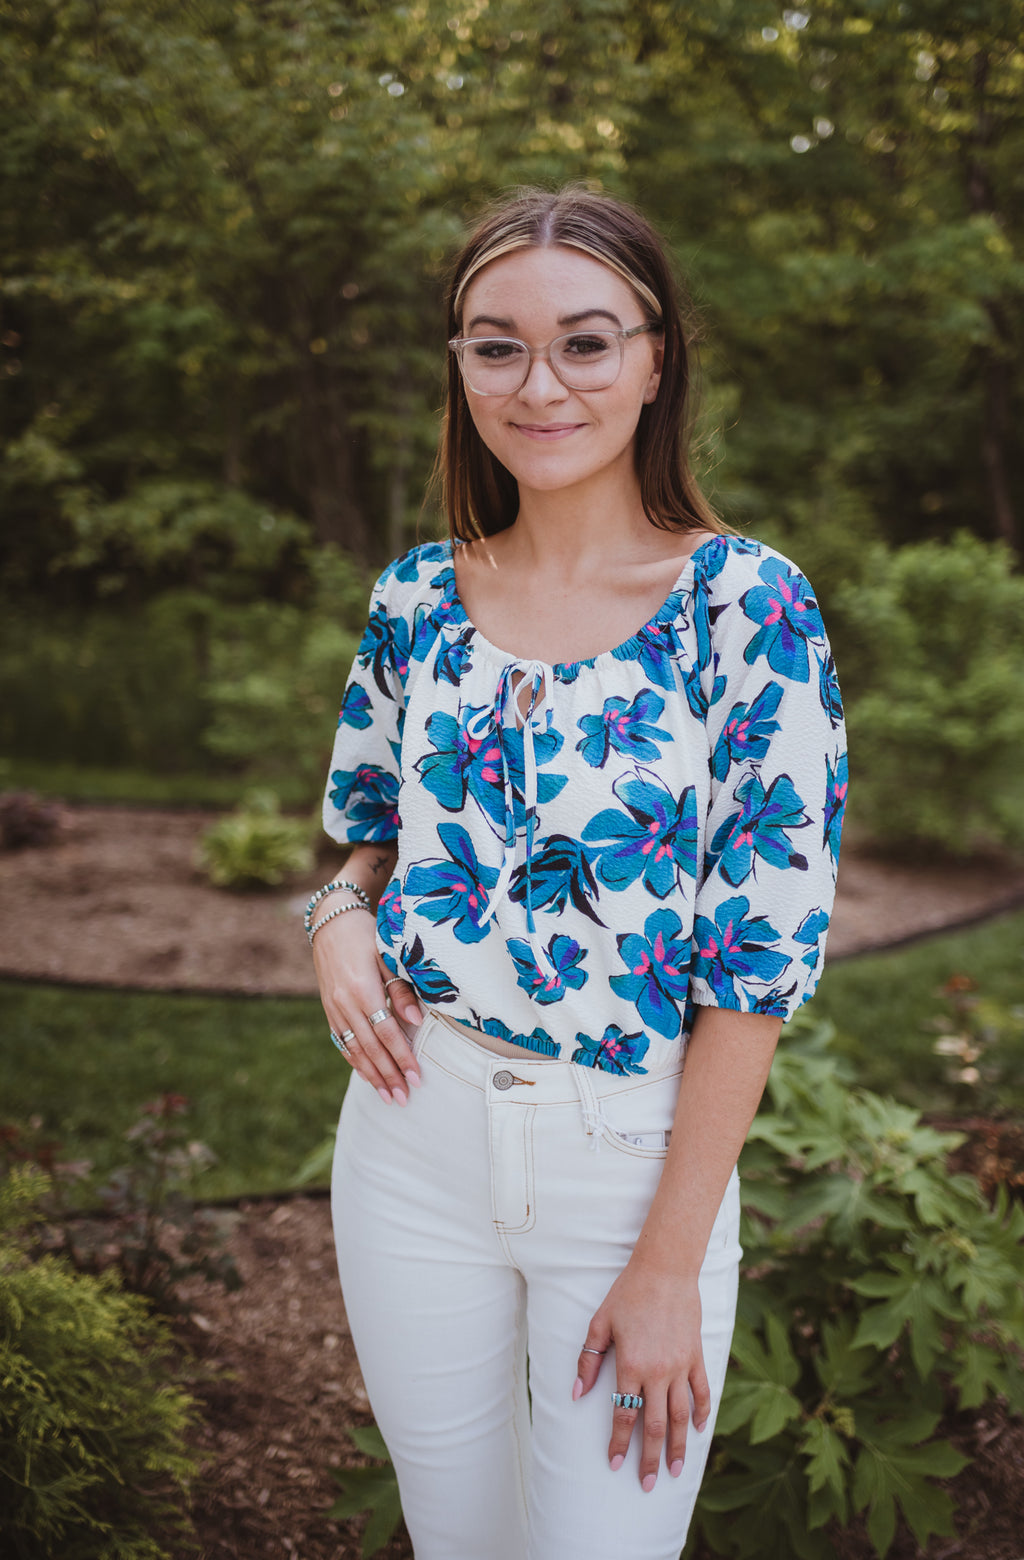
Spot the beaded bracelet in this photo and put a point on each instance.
(311, 931)
(329, 888)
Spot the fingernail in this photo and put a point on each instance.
(676, 1468)
(617, 1461)
(413, 1014)
(648, 1482)
(385, 1096)
(413, 1080)
(399, 1096)
(701, 1426)
(577, 1390)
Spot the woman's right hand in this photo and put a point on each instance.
(351, 976)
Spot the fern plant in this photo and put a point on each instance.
(882, 1290)
(255, 847)
(93, 1453)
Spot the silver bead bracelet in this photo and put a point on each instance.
(311, 931)
(329, 888)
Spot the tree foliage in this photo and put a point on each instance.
(221, 266)
(227, 223)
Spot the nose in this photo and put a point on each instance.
(541, 382)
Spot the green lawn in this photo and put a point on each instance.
(262, 1077)
(888, 1010)
(265, 1083)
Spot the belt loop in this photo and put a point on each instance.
(593, 1119)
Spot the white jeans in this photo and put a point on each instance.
(477, 1233)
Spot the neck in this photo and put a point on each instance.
(564, 532)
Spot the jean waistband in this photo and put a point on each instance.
(533, 1080)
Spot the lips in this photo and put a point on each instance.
(547, 431)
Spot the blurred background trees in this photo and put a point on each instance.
(221, 336)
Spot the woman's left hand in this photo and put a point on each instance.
(652, 1319)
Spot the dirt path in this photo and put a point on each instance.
(118, 901)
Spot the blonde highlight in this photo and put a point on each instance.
(479, 494)
(510, 245)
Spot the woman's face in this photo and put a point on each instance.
(549, 437)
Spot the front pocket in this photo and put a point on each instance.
(637, 1118)
(650, 1144)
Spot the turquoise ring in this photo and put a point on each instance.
(627, 1400)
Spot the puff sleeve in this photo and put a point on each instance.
(777, 754)
(361, 801)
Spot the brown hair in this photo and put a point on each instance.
(479, 494)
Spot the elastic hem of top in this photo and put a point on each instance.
(557, 1082)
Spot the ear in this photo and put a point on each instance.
(653, 384)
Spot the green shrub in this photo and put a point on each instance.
(881, 1291)
(930, 650)
(255, 847)
(110, 686)
(276, 677)
(168, 682)
(93, 1459)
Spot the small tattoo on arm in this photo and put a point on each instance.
(378, 865)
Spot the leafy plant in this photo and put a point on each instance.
(93, 1455)
(255, 847)
(153, 1235)
(933, 641)
(883, 1290)
(372, 1489)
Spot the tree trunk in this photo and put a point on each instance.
(327, 445)
(995, 356)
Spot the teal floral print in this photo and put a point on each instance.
(736, 946)
(654, 838)
(760, 829)
(556, 971)
(614, 1052)
(789, 618)
(658, 831)
(623, 728)
(658, 964)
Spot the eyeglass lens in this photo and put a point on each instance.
(496, 365)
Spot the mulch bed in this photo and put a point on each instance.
(276, 1373)
(117, 900)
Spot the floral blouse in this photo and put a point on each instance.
(659, 829)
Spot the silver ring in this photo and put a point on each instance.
(392, 981)
(341, 1040)
(379, 1017)
(627, 1400)
(602, 1352)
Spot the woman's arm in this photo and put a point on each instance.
(351, 975)
(652, 1312)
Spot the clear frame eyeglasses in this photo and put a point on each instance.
(581, 360)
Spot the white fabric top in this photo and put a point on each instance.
(661, 830)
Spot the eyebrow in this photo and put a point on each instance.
(567, 321)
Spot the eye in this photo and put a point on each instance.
(494, 349)
(595, 344)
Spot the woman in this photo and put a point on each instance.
(610, 736)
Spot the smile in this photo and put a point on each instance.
(547, 431)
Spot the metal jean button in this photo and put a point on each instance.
(503, 1080)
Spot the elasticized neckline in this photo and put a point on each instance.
(566, 671)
